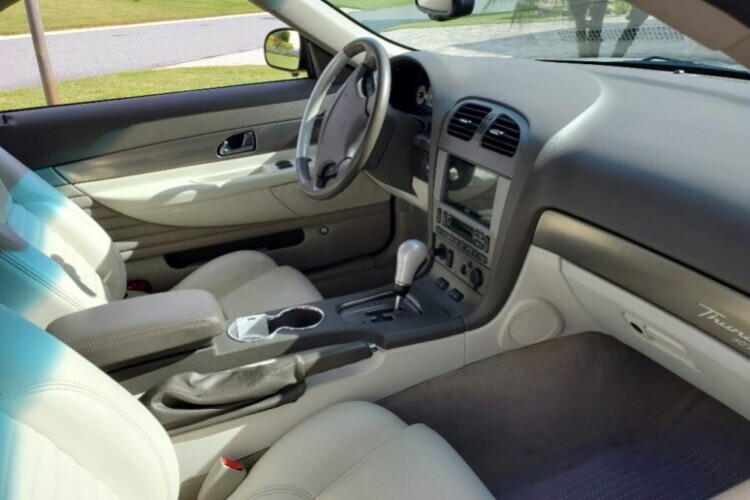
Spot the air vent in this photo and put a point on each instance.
(502, 136)
(466, 120)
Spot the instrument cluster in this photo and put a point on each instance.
(411, 91)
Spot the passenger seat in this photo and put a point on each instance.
(69, 431)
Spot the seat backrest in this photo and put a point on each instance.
(54, 258)
(69, 431)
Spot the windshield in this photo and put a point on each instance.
(594, 30)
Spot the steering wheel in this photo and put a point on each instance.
(352, 123)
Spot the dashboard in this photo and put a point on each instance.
(634, 153)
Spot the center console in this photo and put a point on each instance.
(474, 166)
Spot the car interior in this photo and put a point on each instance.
(409, 274)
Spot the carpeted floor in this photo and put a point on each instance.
(582, 417)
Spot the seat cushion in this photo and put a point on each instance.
(360, 450)
(739, 492)
(249, 282)
(69, 431)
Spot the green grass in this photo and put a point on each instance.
(139, 83)
(70, 14)
(283, 61)
(370, 4)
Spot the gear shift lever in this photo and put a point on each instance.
(411, 254)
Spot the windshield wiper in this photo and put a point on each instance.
(661, 63)
(682, 64)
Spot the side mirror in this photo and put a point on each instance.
(443, 10)
(282, 49)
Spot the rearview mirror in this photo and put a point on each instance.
(282, 49)
(442, 10)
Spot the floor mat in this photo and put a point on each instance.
(583, 412)
(698, 460)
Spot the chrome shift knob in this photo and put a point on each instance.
(411, 255)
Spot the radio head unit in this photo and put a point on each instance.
(470, 204)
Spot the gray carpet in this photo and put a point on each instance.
(529, 422)
(697, 459)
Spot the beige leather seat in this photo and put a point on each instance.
(357, 450)
(739, 492)
(250, 282)
(55, 259)
(69, 431)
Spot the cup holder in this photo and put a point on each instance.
(262, 326)
(295, 319)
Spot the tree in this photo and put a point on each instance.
(588, 16)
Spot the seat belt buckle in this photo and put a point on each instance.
(222, 480)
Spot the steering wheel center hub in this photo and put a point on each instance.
(352, 123)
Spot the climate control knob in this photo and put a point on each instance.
(476, 277)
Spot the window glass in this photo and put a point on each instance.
(110, 49)
(594, 30)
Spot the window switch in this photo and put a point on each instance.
(442, 284)
(455, 295)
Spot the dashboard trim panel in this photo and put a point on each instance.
(704, 303)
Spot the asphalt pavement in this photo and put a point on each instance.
(82, 53)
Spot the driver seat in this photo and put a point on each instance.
(55, 259)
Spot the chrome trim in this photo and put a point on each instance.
(281, 329)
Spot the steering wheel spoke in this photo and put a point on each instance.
(352, 123)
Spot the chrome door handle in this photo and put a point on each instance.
(238, 143)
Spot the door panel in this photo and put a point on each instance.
(221, 193)
(192, 150)
(148, 171)
(65, 134)
(347, 235)
(241, 191)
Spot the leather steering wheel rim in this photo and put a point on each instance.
(351, 124)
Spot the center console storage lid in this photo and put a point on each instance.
(128, 331)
